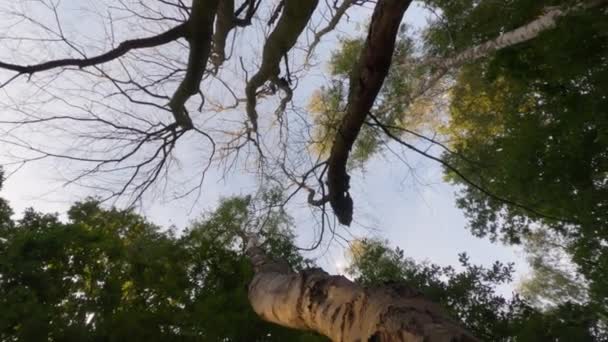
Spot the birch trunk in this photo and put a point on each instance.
(344, 311)
(548, 20)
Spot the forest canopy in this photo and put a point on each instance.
(148, 98)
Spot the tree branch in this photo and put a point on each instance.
(342, 310)
(450, 167)
(227, 20)
(340, 11)
(200, 29)
(365, 83)
(547, 21)
(292, 22)
(123, 48)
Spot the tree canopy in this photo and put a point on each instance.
(108, 274)
(532, 126)
(508, 96)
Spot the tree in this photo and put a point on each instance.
(553, 280)
(532, 133)
(129, 106)
(471, 296)
(110, 275)
(128, 279)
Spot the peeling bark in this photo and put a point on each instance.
(365, 83)
(293, 20)
(344, 311)
(200, 29)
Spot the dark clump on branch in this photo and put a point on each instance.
(365, 82)
(293, 20)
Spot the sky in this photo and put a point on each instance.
(410, 207)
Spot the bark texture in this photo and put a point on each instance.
(293, 20)
(224, 23)
(344, 311)
(365, 83)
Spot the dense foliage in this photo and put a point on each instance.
(532, 121)
(109, 275)
(471, 293)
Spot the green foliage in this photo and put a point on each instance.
(532, 122)
(110, 275)
(471, 295)
(465, 23)
(394, 106)
(105, 274)
(553, 280)
(345, 59)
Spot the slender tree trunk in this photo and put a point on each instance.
(547, 21)
(342, 310)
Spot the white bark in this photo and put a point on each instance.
(342, 310)
(548, 20)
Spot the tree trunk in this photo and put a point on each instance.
(547, 21)
(342, 310)
(365, 82)
(373, 65)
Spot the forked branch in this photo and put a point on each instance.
(293, 20)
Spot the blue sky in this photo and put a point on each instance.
(412, 210)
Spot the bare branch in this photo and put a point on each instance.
(293, 20)
(200, 29)
(336, 18)
(227, 20)
(123, 48)
(450, 167)
(365, 82)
